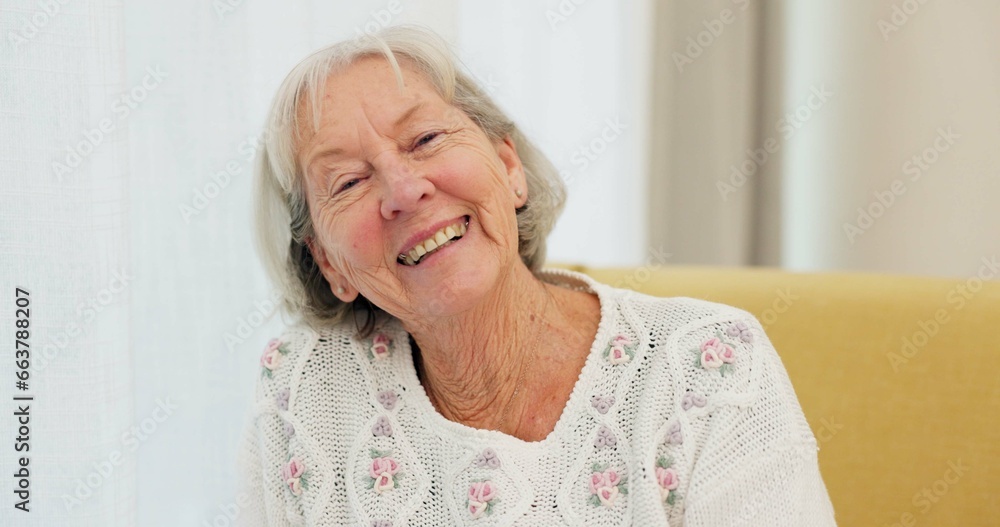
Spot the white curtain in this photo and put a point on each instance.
(149, 309)
(850, 135)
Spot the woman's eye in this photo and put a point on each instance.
(348, 185)
(426, 139)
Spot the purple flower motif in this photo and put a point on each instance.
(692, 399)
(674, 435)
(741, 330)
(387, 399)
(382, 427)
(381, 523)
(281, 399)
(605, 438)
(488, 459)
(289, 429)
(602, 404)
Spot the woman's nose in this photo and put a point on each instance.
(403, 187)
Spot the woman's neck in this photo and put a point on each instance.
(480, 368)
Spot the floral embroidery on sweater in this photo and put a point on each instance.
(384, 471)
(674, 435)
(488, 459)
(382, 427)
(602, 404)
(620, 350)
(715, 354)
(271, 358)
(380, 348)
(605, 438)
(482, 496)
(667, 478)
(693, 399)
(387, 399)
(740, 330)
(281, 399)
(294, 474)
(605, 486)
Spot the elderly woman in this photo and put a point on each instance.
(438, 376)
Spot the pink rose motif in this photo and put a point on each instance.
(384, 483)
(618, 355)
(710, 353)
(382, 471)
(667, 478)
(617, 352)
(380, 346)
(596, 482)
(605, 486)
(482, 491)
(293, 469)
(608, 478)
(272, 354)
(383, 465)
(607, 495)
(477, 508)
(621, 340)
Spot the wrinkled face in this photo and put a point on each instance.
(393, 172)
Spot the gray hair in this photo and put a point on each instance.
(282, 219)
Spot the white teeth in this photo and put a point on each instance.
(438, 240)
(430, 245)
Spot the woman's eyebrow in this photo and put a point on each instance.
(407, 114)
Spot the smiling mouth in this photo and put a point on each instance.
(440, 239)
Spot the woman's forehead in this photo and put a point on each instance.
(368, 90)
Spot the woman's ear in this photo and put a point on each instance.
(516, 179)
(338, 285)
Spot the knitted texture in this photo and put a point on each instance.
(682, 415)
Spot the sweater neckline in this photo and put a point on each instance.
(441, 425)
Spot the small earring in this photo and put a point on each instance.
(518, 193)
(340, 290)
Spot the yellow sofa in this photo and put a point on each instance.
(899, 378)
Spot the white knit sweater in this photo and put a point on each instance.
(682, 415)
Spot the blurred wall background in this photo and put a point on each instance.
(849, 135)
(129, 129)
